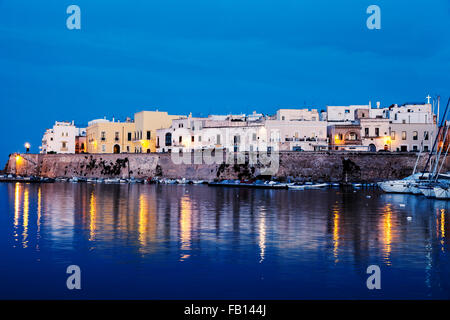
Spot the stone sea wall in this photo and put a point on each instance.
(303, 166)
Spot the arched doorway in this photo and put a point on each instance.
(116, 148)
(372, 148)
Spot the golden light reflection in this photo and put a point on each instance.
(16, 204)
(39, 210)
(92, 216)
(336, 234)
(143, 219)
(38, 221)
(26, 207)
(387, 230)
(262, 237)
(185, 226)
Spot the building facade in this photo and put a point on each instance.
(104, 136)
(146, 124)
(61, 138)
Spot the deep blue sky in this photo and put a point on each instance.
(211, 56)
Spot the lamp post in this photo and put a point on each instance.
(27, 147)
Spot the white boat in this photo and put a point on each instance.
(308, 186)
(111, 180)
(297, 187)
(441, 192)
(405, 185)
(74, 179)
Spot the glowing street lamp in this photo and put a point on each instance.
(27, 146)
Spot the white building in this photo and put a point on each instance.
(300, 130)
(232, 133)
(61, 138)
(344, 113)
(297, 115)
(412, 137)
(411, 113)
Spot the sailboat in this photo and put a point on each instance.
(419, 182)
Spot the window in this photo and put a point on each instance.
(218, 139)
(425, 135)
(129, 136)
(128, 148)
(168, 139)
(103, 136)
(425, 148)
(414, 148)
(352, 136)
(403, 135)
(199, 138)
(103, 148)
(347, 111)
(237, 139)
(392, 135)
(403, 148)
(192, 139)
(254, 137)
(366, 132)
(377, 132)
(180, 139)
(282, 118)
(148, 135)
(415, 135)
(116, 136)
(64, 145)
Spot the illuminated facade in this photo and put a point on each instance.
(146, 124)
(61, 138)
(104, 136)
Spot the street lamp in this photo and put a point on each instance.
(27, 147)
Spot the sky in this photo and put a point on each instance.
(212, 57)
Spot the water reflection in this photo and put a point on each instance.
(386, 226)
(317, 228)
(185, 227)
(335, 233)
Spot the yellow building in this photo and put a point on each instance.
(146, 124)
(104, 136)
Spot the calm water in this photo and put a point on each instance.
(189, 242)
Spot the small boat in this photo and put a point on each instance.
(308, 186)
(110, 180)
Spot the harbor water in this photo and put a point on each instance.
(138, 241)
